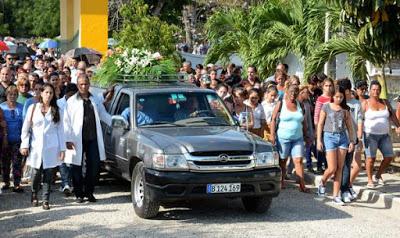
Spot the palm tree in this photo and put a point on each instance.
(267, 33)
(372, 34)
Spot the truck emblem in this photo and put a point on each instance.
(223, 158)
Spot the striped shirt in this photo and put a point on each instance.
(318, 106)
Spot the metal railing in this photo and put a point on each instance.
(152, 79)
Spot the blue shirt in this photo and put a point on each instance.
(290, 123)
(141, 118)
(14, 121)
(28, 102)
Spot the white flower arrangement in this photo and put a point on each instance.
(133, 62)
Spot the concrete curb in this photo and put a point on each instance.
(365, 195)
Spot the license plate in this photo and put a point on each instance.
(223, 188)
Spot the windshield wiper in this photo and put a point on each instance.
(203, 120)
(163, 123)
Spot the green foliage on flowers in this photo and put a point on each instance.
(133, 62)
(143, 31)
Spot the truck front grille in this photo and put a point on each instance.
(219, 163)
(218, 153)
(223, 162)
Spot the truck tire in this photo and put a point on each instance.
(144, 207)
(257, 204)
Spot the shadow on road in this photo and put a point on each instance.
(16, 214)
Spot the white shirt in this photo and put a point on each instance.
(258, 114)
(74, 75)
(268, 109)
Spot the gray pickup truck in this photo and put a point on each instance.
(175, 142)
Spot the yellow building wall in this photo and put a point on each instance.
(84, 23)
(94, 24)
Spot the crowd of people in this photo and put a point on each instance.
(49, 121)
(329, 120)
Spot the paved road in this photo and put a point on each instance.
(293, 214)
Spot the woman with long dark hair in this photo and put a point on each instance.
(241, 112)
(43, 133)
(334, 121)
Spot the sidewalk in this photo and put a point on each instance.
(387, 196)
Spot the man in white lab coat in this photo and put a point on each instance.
(84, 136)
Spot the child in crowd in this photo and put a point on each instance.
(269, 103)
(327, 90)
(334, 121)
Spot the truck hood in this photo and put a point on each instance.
(204, 139)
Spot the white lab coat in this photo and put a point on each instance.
(73, 122)
(47, 138)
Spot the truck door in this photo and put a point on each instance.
(116, 138)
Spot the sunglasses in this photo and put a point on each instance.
(11, 58)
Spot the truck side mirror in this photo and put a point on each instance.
(119, 122)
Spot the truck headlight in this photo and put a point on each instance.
(267, 159)
(170, 162)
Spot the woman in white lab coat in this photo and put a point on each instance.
(43, 142)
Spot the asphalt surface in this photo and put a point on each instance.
(292, 214)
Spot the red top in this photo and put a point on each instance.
(318, 105)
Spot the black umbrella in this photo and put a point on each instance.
(81, 52)
(20, 50)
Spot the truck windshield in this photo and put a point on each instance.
(181, 109)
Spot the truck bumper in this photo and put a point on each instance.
(174, 186)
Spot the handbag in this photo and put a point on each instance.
(30, 127)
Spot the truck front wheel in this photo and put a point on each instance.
(144, 207)
(257, 204)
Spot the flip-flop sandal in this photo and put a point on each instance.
(371, 186)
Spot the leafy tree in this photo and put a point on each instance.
(268, 32)
(373, 35)
(46, 19)
(3, 26)
(143, 31)
(32, 17)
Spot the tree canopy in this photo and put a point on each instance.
(31, 18)
(378, 23)
(143, 31)
(266, 33)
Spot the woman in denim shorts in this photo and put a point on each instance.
(289, 135)
(334, 121)
(377, 118)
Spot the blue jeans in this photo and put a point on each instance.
(335, 140)
(346, 172)
(65, 171)
(373, 142)
(310, 149)
(291, 148)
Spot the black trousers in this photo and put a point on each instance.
(84, 186)
(37, 179)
